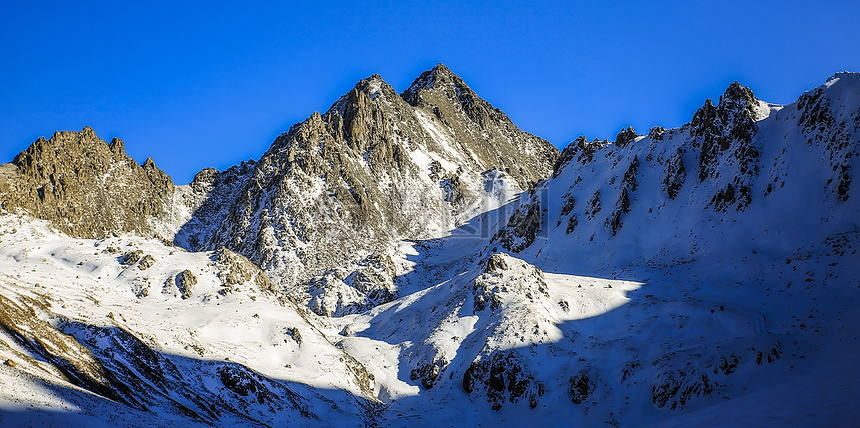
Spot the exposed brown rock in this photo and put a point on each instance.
(237, 269)
(84, 186)
(146, 262)
(186, 281)
(132, 257)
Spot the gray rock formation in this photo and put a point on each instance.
(504, 378)
(376, 167)
(675, 174)
(625, 137)
(523, 227)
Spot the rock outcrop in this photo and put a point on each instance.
(186, 281)
(86, 187)
(235, 269)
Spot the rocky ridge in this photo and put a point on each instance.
(730, 157)
(86, 187)
(335, 190)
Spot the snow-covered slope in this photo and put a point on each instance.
(742, 229)
(742, 177)
(127, 326)
(704, 275)
(738, 235)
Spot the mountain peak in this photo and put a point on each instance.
(739, 95)
(369, 87)
(372, 85)
(436, 77)
(85, 186)
(117, 146)
(734, 115)
(443, 71)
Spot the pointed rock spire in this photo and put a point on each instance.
(438, 76)
(625, 137)
(117, 146)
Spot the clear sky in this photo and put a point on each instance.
(212, 83)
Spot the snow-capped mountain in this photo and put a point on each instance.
(742, 174)
(330, 198)
(324, 205)
(726, 250)
(416, 258)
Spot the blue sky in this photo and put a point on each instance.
(212, 83)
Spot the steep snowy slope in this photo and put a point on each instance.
(194, 337)
(739, 232)
(743, 177)
(742, 227)
(503, 343)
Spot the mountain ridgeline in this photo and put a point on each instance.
(741, 171)
(416, 258)
(86, 187)
(375, 168)
(333, 193)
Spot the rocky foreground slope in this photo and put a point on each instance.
(418, 259)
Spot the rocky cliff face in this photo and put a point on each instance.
(483, 132)
(376, 167)
(86, 187)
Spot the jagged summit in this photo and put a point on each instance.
(370, 87)
(435, 88)
(739, 94)
(438, 76)
(381, 168)
(85, 186)
(732, 120)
